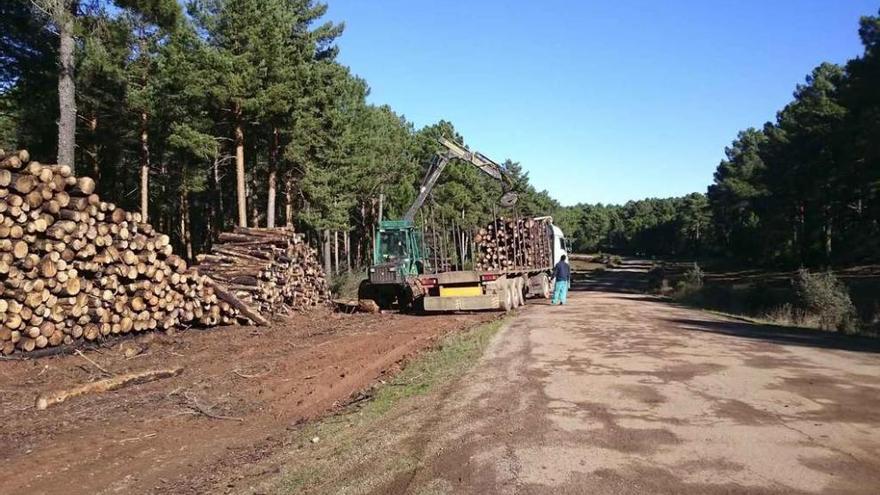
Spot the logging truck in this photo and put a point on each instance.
(508, 271)
(515, 256)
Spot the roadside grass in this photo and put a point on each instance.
(455, 355)
(370, 442)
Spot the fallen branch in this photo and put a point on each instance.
(407, 382)
(38, 353)
(143, 354)
(134, 439)
(96, 365)
(106, 385)
(258, 375)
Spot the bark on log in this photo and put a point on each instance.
(235, 302)
(77, 269)
(270, 269)
(46, 400)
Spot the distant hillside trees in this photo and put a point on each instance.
(237, 113)
(669, 226)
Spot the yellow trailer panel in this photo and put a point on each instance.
(461, 291)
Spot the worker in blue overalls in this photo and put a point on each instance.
(562, 274)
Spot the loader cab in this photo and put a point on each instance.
(393, 244)
(397, 252)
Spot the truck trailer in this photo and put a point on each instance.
(500, 286)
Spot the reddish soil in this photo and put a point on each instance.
(253, 383)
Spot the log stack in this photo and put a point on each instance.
(271, 270)
(512, 244)
(74, 268)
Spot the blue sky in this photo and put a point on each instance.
(600, 101)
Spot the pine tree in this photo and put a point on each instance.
(62, 13)
(62, 16)
(861, 189)
(736, 194)
(28, 79)
(804, 152)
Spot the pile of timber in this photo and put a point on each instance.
(272, 270)
(74, 268)
(511, 244)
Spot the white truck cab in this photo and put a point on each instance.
(560, 244)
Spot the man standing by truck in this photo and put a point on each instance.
(562, 274)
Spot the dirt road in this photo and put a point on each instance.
(619, 393)
(241, 392)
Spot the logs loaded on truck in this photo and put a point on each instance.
(510, 243)
(76, 269)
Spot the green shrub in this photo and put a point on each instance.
(824, 296)
(615, 260)
(874, 323)
(345, 285)
(657, 281)
(761, 297)
(690, 285)
(694, 276)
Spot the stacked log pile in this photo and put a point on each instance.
(74, 268)
(510, 244)
(271, 270)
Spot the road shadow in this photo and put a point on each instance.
(805, 337)
(630, 277)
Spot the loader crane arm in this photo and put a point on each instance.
(454, 151)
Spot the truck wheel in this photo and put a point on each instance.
(545, 286)
(404, 298)
(383, 297)
(366, 290)
(520, 291)
(506, 296)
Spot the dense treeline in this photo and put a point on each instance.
(803, 190)
(653, 226)
(236, 112)
(220, 113)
